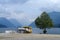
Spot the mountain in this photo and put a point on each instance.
(3, 26)
(5, 23)
(15, 22)
(33, 25)
(55, 16)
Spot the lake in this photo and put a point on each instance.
(35, 30)
(49, 31)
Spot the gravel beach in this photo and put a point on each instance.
(17, 36)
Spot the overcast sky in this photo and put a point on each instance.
(25, 11)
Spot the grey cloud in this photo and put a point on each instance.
(18, 11)
(4, 12)
(12, 1)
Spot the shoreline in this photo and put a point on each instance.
(18, 36)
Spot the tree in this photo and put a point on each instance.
(44, 21)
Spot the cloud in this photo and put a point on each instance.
(54, 1)
(31, 20)
(27, 10)
(42, 5)
(12, 1)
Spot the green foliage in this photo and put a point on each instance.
(44, 21)
(27, 27)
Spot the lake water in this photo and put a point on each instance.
(49, 31)
(35, 30)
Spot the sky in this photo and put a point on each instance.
(26, 11)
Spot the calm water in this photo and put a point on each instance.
(49, 31)
(35, 30)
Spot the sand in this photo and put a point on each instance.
(18, 36)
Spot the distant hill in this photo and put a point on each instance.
(15, 22)
(5, 23)
(3, 26)
(55, 16)
(33, 25)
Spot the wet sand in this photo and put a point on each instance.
(17, 36)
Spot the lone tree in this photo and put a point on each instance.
(44, 21)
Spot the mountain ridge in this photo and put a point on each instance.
(55, 18)
(6, 22)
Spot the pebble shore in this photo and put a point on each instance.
(18, 36)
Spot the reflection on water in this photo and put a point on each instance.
(35, 30)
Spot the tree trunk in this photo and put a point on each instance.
(44, 31)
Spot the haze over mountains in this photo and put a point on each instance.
(7, 23)
(13, 23)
